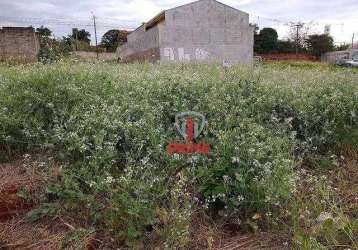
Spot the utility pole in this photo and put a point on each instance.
(76, 43)
(95, 32)
(298, 26)
(353, 40)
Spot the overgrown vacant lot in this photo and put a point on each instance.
(284, 141)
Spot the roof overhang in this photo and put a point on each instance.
(155, 20)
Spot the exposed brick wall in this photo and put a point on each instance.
(287, 56)
(19, 43)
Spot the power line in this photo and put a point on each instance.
(271, 19)
(86, 22)
(117, 23)
(61, 22)
(48, 20)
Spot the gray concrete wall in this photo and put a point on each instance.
(206, 31)
(19, 43)
(202, 31)
(333, 57)
(105, 56)
(141, 44)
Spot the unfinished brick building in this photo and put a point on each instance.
(19, 43)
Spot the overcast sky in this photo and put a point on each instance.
(62, 15)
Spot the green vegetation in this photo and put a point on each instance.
(266, 41)
(51, 49)
(319, 44)
(108, 126)
(113, 38)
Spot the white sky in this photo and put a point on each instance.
(62, 15)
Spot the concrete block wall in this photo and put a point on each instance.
(207, 31)
(202, 31)
(141, 45)
(19, 43)
(105, 56)
(333, 57)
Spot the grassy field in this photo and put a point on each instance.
(284, 140)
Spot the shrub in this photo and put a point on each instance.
(52, 50)
(109, 126)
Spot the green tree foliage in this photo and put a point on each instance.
(44, 31)
(80, 35)
(286, 46)
(266, 40)
(51, 49)
(319, 44)
(114, 38)
(342, 47)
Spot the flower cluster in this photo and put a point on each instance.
(111, 125)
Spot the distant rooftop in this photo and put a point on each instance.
(17, 28)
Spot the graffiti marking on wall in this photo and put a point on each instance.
(169, 54)
(180, 54)
(201, 54)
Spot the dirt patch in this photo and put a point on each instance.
(207, 234)
(21, 184)
(18, 233)
(19, 188)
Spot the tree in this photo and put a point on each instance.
(265, 41)
(299, 33)
(44, 32)
(319, 44)
(286, 46)
(342, 47)
(268, 38)
(114, 38)
(52, 49)
(81, 35)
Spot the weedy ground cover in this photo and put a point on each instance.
(108, 125)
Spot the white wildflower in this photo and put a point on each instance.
(235, 160)
(109, 179)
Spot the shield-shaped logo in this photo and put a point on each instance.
(189, 124)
